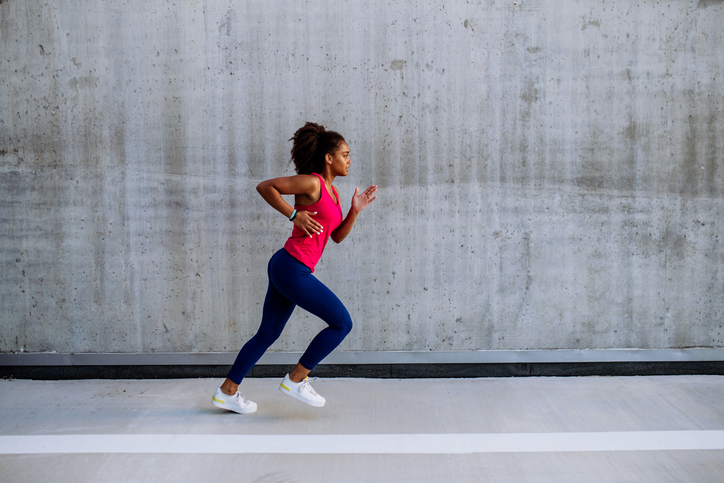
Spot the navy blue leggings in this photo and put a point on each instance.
(291, 283)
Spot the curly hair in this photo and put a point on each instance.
(311, 143)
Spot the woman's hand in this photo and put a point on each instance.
(307, 224)
(362, 201)
(359, 203)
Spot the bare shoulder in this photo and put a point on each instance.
(307, 180)
(299, 184)
(311, 189)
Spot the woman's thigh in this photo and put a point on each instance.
(296, 282)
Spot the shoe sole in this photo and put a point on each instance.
(242, 411)
(315, 404)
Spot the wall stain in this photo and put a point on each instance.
(530, 95)
(226, 27)
(708, 3)
(397, 64)
(83, 82)
(591, 23)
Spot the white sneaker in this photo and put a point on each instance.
(235, 403)
(302, 391)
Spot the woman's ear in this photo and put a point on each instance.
(328, 158)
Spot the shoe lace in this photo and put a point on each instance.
(306, 386)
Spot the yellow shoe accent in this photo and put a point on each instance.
(218, 400)
(285, 387)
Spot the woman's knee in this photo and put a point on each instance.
(345, 323)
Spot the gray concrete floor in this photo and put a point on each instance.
(369, 407)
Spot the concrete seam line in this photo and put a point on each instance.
(364, 443)
(369, 357)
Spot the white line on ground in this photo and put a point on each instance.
(363, 443)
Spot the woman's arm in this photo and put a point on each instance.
(301, 185)
(359, 203)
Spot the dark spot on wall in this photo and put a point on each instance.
(698, 163)
(709, 3)
(397, 64)
(83, 82)
(530, 95)
(591, 182)
(630, 131)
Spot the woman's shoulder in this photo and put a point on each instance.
(309, 186)
(302, 179)
(298, 184)
(311, 180)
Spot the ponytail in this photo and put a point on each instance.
(310, 144)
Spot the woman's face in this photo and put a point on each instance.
(340, 160)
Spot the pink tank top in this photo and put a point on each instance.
(329, 214)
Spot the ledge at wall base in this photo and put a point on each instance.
(367, 357)
(383, 371)
(50, 366)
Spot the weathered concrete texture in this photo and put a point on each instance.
(550, 172)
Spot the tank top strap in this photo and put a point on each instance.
(322, 187)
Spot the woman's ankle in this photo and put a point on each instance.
(229, 387)
(298, 374)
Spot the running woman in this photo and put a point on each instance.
(319, 156)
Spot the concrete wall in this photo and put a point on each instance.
(550, 172)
